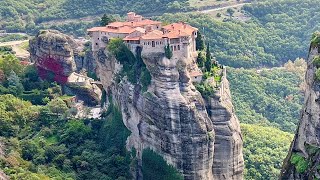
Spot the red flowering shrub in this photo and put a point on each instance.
(51, 69)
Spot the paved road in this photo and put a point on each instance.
(224, 7)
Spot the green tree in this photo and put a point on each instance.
(201, 59)
(199, 42)
(154, 167)
(10, 63)
(106, 19)
(14, 84)
(208, 63)
(168, 52)
(57, 106)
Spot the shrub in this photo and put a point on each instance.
(315, 40)
(301, 164)
(154, 167)
(318, 75)
(316, 61)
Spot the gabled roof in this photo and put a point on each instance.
(176, 34)
(155, 34)
(183, 27)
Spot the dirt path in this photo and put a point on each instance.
(16, 47)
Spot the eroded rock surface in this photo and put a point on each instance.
(201, 139)
(228, 160)
(53, 54)
(306, 143)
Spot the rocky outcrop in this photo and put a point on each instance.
(200, 138)
(54, 55)
(228, 160)
(55, 52)
(303, 159)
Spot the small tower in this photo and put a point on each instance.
(130, 16)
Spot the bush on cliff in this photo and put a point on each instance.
(133, 66)
(154, 167)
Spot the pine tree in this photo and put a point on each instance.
(201, 59)
(168, 52)
(199, 42)
(208, 62)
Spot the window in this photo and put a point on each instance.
(178, 47)
(175, 48)
(153, 44)
(98, 38)
(96, 43)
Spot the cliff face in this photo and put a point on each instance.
(228, 160)
(201, 138)
(303, 159)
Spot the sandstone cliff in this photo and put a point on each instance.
(303, 159)
(201, 138)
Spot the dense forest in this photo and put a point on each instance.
(270, 97)
(277, 31)
(265, 148)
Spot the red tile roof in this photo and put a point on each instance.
(155, 34)
(183, 27)
(176, 34)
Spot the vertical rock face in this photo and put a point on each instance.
(228, 160)
(172, 118)
(303, 159)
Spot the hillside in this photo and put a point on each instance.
(277, 32)
(26, 15)
(269, 97)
